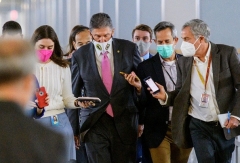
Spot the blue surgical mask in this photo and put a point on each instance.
(165, 51)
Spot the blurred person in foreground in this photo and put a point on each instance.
(22, 140)
(13, 30)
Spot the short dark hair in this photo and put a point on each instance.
(48, 32)
(11, 27)
(164, 25)
(100, 20)
(143, 27)
(77, 29)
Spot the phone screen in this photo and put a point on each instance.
(152, 85)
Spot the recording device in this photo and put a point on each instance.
(41, 95)
(151, 84)
(93, 99)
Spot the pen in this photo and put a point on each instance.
(229, 115)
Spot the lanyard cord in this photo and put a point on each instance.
(207, 74)
(169, 75)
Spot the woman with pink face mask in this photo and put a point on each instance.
(53, 72)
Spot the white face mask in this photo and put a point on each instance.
(143, 46)
(188, 49)
(102, 46)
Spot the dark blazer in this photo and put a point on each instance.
(24, 141)
(156, 117)
(85, 73)
(142, 111)
(226, 78)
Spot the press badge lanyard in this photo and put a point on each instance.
(204, 101)
(207, 74)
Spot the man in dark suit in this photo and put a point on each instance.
(22, 140)
(109, 127)
(161, 68)
(208, 84)
(142, 36)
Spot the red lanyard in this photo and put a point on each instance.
(207, 74)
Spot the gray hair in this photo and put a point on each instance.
(164, 25)
(100, 20)
(17, 60)
(198, 27)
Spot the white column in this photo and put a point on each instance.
(179, 12)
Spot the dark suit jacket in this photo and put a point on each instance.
(226, 78)
(156, 117)
(85, 73)
(142, 111)
(23, 140)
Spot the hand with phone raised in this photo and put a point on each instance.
(42, 98)
(133, 80)
(155, 89)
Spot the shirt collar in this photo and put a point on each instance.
(170, 63)
(146, 56)
(196, 59)
(101, 47)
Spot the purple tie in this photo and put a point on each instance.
(107, 78)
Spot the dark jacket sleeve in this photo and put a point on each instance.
(142, 97)
(73, 114)
(138, 98)
(234, 65)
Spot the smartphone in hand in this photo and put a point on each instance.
(41, 95)
(151, 84)
(123, 73)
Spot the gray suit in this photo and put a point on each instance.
(226, 73)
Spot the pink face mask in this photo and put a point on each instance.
(44, 55)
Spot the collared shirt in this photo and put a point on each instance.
(197, 89)
(170, 67)
(145, 57)
(99, 58)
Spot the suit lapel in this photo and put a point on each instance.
(188, 69)
(117, 60)
(92, 61)
(215, 65)
(158, 70)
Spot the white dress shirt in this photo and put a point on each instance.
(99, 57)
(170, 67)
(197, 89)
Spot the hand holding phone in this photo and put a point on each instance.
(123, 73)
(41, 95)
(93, 99)
(151, 84)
